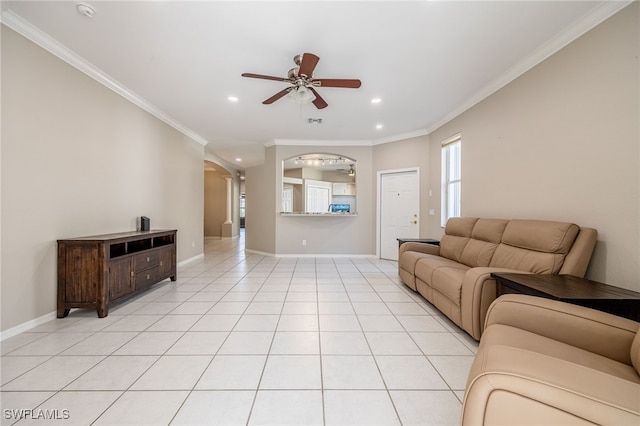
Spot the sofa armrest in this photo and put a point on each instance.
(513, 386)
(419, 247)
(594, 331)
(478, 292)
(578, 258)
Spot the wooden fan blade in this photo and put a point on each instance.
(318, 101)
(277, 96)
(264, 77)
(308, 64)
(338, 82)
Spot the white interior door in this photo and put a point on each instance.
(399, 210)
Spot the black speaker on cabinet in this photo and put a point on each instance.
(145, 223)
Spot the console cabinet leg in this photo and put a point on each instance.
(103, 310)
(62, 313)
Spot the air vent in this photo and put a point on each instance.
(314, 120)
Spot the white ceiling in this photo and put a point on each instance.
(427, 61)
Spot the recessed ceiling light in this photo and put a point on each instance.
(379, 126)
(232, 99)
(238, 159)
(376, 100)
(85, 10)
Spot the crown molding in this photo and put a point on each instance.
(595, 17)
(402, 136)
(43, 40)
(304, 142)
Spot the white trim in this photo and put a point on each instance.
(261, 253)
(191, 259)
(341, 256)
(379, 197)
(20, 328)
(402, 137)
(43, 40)
(452, 139)
(355, 256)
(332, 143)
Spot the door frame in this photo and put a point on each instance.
(380, 173)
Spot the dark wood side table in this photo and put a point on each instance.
(570, 289)
(418, 240)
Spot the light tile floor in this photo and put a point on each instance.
(243, 339)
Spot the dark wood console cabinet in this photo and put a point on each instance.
(95, 271)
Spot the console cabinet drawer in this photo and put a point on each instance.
(145, 261)
(144, 279)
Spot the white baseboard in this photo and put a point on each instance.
(356, 256)
(261, 253)
(342, 256)
(191, 259)
(233, 237)
(14, 331)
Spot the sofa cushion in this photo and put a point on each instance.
(460, 226)
(447, 280)
(520, 259)
(425, 268)
(456, 236)
(536, 246)
(409, 259)
(540, 235)
(489, 230)
(472, 241)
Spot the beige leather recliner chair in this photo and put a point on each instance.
(544, 362)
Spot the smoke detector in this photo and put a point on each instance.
(85, 10)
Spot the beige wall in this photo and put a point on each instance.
(562, 142)
(78, 159)
(333, 234)
(408, 153)
(270, 232)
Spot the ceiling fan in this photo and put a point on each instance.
(303, 85)
(350, 172)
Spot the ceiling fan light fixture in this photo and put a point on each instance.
(301, 95)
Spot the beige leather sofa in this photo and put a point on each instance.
(455, 276)
(544, 362)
